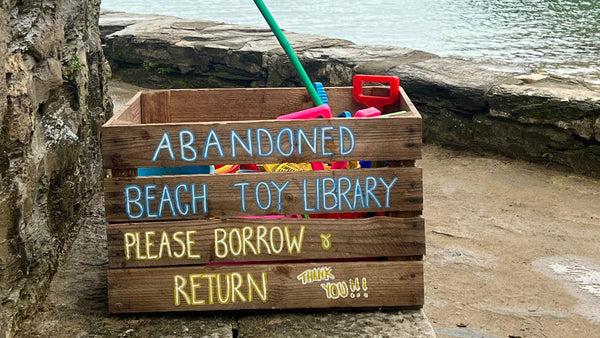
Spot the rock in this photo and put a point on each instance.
(537, 99)
(453, 83)
(447, 128)
(359, 59)
(597, 129)
(111, 21)
(184, 53)
(170, 52)
(47, 76)
(534, 141)
(406, 323)
(53, 101)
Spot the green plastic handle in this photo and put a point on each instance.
(289, 51)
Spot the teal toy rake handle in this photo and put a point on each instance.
(289, 51)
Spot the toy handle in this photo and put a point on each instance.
(322, 111)
(375, 101)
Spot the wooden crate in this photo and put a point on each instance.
(177, 243)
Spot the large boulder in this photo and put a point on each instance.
(53, 101)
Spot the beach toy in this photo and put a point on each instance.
(322, 111)
(395, 114)
(227, 169)
(192, 170)
(339, 165)
(287, 167)
(368, 112)
(365, 164)
(321, 91)
(310, 87)
(317, 166)
(289, 51)
(375, 101)
(252, 167)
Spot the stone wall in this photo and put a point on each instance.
(53, 101)
(481, 105)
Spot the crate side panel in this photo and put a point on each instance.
(272, 286)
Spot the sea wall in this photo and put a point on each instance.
(53, 101)
(477, 104)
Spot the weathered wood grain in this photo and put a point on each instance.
(223, 199)
(253, 240)
(160, 266)
(269, 287)
(156, 106)
(406, 104)
(133, 146)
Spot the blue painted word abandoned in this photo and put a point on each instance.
(257, 142)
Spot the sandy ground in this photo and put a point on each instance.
(512, 251)
(512, 247)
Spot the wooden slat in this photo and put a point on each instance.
(392, 138)
(224, 197)
(156, 107)
(387, 284)
(413, 213)
(249, 240)
(124, 172)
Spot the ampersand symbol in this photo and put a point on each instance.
(326, 241)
